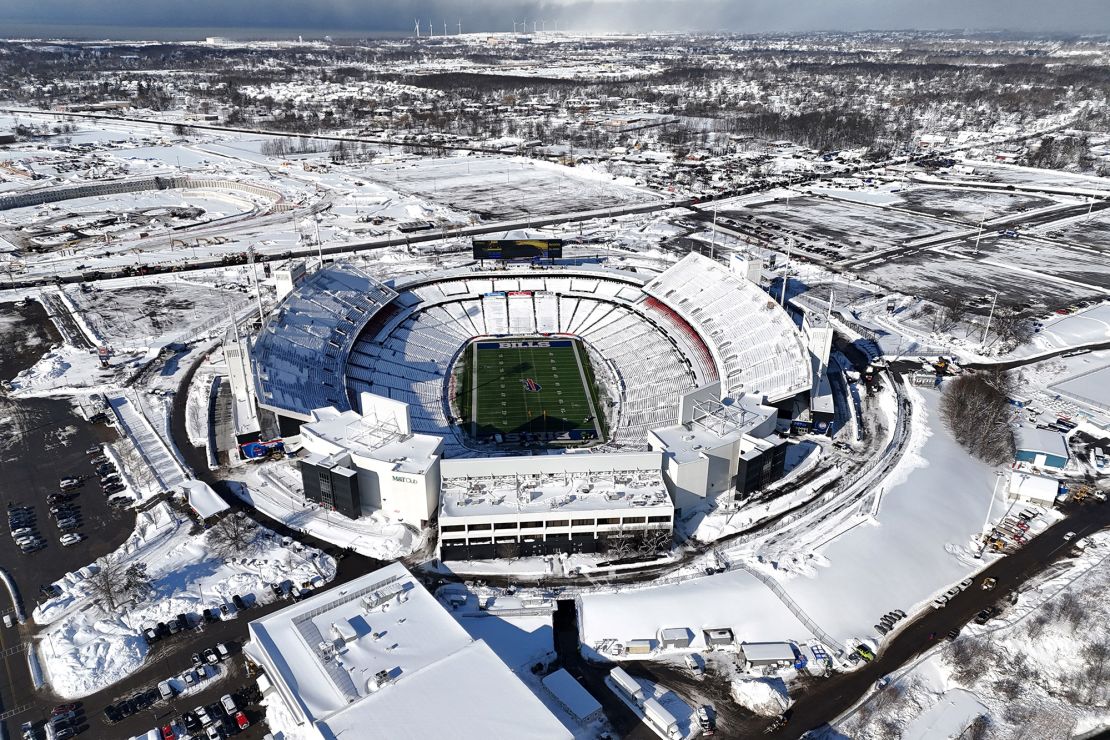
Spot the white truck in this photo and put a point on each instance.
(661, 719)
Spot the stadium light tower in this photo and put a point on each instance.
(257, 287)
(713, 237)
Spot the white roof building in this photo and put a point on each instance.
(1034, 489)
(379, 657)
(205, 502)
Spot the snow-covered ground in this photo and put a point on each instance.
(916, 544)
(83, 648)
(1074, 330)
(1038, 670)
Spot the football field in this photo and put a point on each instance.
(534, 389)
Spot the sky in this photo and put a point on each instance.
(742, 16)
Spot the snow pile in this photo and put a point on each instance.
(84, 649)
(764, 696)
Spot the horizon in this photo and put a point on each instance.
(347, 18)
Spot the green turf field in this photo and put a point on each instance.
(530, 389)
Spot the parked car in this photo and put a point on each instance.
(168, 733)
(202, 715)
(66, 709)
(965, 584)
(190, 678)
(239, 603)
(191, 721)
(222, 651)
(112, 714)
(94, 450)
(228, 704)
(183, 621)
(210, 656)
(71, 538)
(165, 690)
(940, 601)
(150, 634)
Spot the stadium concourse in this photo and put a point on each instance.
(696, 364)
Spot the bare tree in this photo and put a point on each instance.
(977, 410)
(949, 313)
(621, 545)
(1097, 655)
(114, 584)
(233, 535)
(1011, 326)
(653, 540)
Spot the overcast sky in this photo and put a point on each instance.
(1082, 16)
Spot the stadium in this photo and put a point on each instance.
(695, 365)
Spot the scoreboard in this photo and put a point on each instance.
(517, 249)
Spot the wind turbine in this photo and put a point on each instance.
(460, 26)
(417, 28)
(445, 27)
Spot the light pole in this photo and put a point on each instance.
(990, 316)
(978, 236)
(994, 492)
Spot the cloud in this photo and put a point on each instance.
(753, 16)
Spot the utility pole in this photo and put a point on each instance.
(978, 236)
(1089, 209)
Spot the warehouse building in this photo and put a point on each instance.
(328, 673)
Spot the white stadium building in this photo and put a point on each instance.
(696, 367)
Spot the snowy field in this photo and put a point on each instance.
(1038, 670)
(141, 317)
(916, 545)
(971, 206)
(931, 272)
(1093, 233)
(85, 649)
(506, 187)
(1071, 263)
(845, 223)
(1074, 330)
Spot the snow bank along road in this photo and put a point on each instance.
(826, 700)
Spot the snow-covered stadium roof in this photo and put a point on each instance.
(301, 354)
(755, 344)
(364, 660)
(571, 483)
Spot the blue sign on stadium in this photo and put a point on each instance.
(495, 294)
(525, 344)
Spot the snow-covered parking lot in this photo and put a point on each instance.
(85, 648)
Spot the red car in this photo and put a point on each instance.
(167, 732)
(65, 708)
(242, 721)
